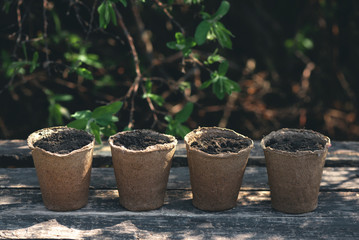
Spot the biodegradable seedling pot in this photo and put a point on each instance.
(216, 176)
(64, 175)
(295, 159)
(142, 160)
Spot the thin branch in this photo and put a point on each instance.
(143, 34)
(91, 20)
(134, 88)
(230, 106)
(150, 104)
(18, 40)
(135, 85)
(19, 24)
(164, 9)
(45, 6)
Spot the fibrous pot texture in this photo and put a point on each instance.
(142, 169)
(295, 159)
(64, 175)
(216, 175)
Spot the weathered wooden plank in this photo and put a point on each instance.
(24, 216)
(255, 178)
(14, 153)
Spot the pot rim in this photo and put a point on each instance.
(303, 152)
(152, 148)
(31, 140)
(219, 155)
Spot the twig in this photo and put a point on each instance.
(18, 40)
(230, 106)
(45, 6)
(91, 20)
(19, 23)
(134, 88)
(164, 9)
(200, 63)
(144, 35)
(150, 104)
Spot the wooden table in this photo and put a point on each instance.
(22, 214)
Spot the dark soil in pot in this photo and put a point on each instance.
(295, 159)
(300, 141)
(217, 158)
(213, 144)
(140, 139)
(63, 159)
(142, 160)
(64, 141)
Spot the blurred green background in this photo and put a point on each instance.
(295, 61)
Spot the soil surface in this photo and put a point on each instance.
(140, 139)
(213, 143)
(64, 142)
(296, 142)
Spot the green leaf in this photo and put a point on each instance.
(201, 32)
(113, 14)
(106, 14)
(35, 58)
(172, 45)
(85, 114)
(109, 130)
(62, 97)
(78, 124)
(223, 68)
(114, 119)
(101, 12)
(206, 84)
(104, 120)
(214, 58)
(95, 130)
(148, 86)
(55, 116)
(83, 72)
(307, 43)
(183, 44)
(185, 85)
(218, 89)
(179, 37)
(206, 16)
(223, 35)
(168, 118)
(124, 3)
(182, 130)
(222, 10)
(107, 110)
(156, 98)
(230, 86)
(185, 113)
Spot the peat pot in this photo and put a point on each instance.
(62, 158)
(142, 160)
(295, 159)
(217, 158)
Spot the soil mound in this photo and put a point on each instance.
(140, 139)
(212, 143)
(64, 142)
(296, 142)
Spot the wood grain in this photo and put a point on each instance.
(255, 178)
(24, 216)
(15, 153)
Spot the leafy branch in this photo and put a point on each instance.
(175, 124)
(210, 28)
(101, 121)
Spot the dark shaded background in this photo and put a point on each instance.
(285, 82)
